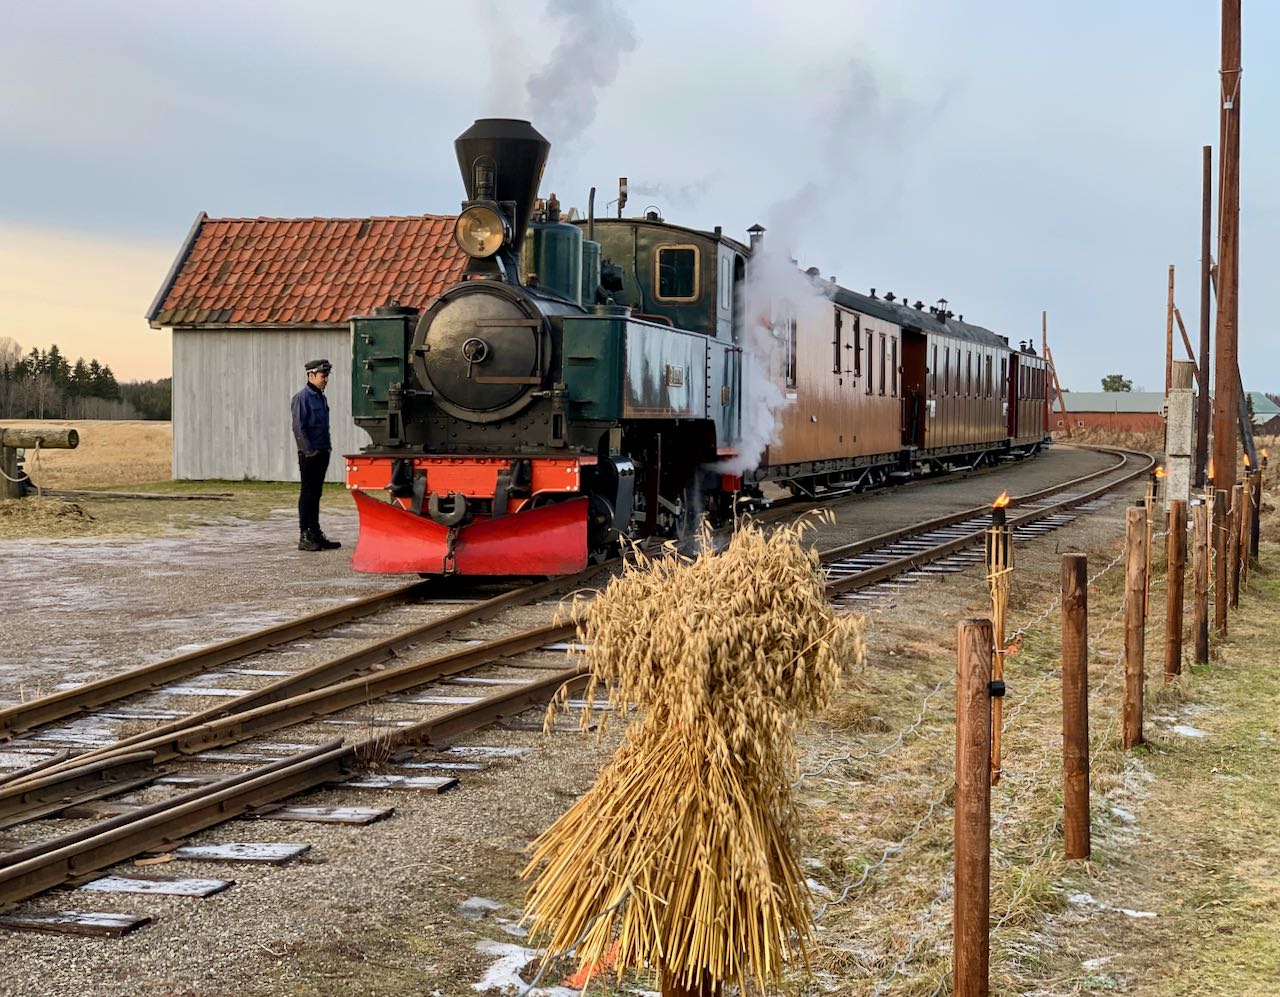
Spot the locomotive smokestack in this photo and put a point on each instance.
(757, 236)
(501, 159)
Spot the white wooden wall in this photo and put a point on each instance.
(231, 392)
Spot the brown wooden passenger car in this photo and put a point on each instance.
(878, 388)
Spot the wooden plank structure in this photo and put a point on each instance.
(13, 484)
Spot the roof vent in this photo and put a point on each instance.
(890, 296)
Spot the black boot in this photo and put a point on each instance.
(324, 542)
(308, 541)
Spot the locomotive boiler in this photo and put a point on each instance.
(517, 425)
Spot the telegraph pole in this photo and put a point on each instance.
(1206, 250)
(1226, 368)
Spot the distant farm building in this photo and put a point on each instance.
(1109, 411)
(250, 300)
(1266, 414)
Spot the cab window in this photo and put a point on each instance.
(677, 273)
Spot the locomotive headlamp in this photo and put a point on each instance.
(481, 230)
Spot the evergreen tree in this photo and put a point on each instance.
(79, 383)
(56, 366)
(110, 388)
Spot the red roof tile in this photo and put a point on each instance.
(306, 271)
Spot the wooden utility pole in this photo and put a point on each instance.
(971, 917)
(1057, 389)
(1202, 382)
(1135, 622)
(1186, 343)
(1044, 352)
(1168, 335)
(1177, 557)
(1200, 571)
(1219, 520)
(1075, 706)
(1225, 381)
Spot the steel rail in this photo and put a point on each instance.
(23, 717)
(69, 857)
(952, 518)
(57, 706)
(889, 569)
(197, 736)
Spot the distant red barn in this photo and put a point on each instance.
(1109, 411)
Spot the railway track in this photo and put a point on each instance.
(79, 786)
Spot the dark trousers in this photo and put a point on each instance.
(311, 470)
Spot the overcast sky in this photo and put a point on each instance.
(1009, 156)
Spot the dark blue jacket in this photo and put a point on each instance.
(310, 420)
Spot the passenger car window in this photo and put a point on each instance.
(792, 337)
(677, 273)
(893, 370)
(726, 283)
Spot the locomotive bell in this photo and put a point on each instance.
(501, 160)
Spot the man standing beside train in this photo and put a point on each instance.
(311, 431)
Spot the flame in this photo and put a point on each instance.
(1160, 471)
(1209, 472)
(1247, 465)
(1263, 452)
(1001, 501)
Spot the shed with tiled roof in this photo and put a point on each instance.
(250, 300)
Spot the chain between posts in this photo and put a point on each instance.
(894, 849)
(879, 752)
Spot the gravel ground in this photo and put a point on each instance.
(370, 910)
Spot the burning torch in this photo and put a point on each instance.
(999, 569)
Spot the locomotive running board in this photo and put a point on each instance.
(551, 540)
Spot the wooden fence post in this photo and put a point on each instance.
(1177, 558)
(1246, 530)
(1255, 530)
(1220, 499)
(1233, 545)
(1200, 571)
(971, 917)
(1135, 622)
(1075, 706)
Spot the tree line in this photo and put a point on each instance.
(44, 384)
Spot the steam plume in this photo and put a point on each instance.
(595, 35)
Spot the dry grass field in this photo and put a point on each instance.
(111, 453)
(133, 457)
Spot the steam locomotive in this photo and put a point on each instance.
(583, 381)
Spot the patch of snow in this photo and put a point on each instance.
(1122, 814)
(476, 908)
(1087, 900)
(504, 974)
(512, 928)
(1091, 964)
(818, 889)
(1186, 730)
